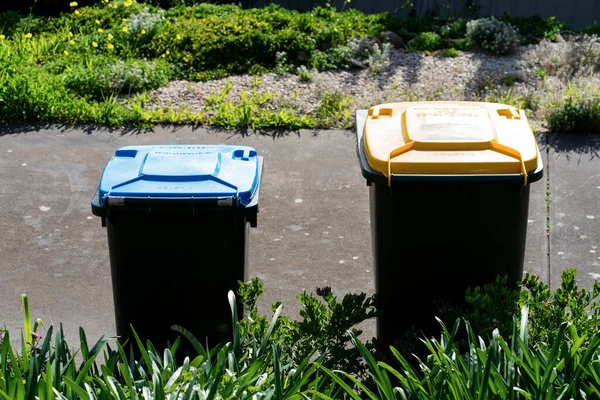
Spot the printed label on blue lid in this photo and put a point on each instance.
(208, 171)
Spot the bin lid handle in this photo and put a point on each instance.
(491, 145)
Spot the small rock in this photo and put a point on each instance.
(394, 39)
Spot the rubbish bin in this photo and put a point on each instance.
(449, 196)
(177, 220)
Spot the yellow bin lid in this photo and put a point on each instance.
(446, 138)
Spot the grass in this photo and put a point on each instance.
(100, 64)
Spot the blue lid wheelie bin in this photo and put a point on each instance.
(177, 219)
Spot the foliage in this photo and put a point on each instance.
(577, 113)
(534, 29)
(496, 368)
(367, 53)
(334, 110)
(492, 35)
(324, 329)
(451, 52)
(425, 41)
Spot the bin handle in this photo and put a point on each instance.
(492, 145)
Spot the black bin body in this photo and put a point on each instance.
(432, 241)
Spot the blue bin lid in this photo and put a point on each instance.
(182, 171)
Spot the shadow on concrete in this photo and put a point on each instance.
(569, 144)
(16, 128)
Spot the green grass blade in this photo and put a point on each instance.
(31, 388)
(26, 319)
(81, 392)
(49, 381)
(83, 345)
(340, 382)
(192, 339)
(145, 355)
(265, 340)
(277, 373)
(83, 372)
(237, 344)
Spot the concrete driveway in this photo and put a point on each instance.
(313, 227)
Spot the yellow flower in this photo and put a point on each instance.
(143, 31)
(2, 37)
(70, 34)
(72, 41)
(100, 30)
(110, 36)
(124, 29)
(76, 12)
(66, 53)
(168, 52)
(28, 36)
(73, 4)
(110, 46)
(178, 36)
(127, 3)
(94, 44)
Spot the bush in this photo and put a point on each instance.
(492, 35)
(451, 52)
(365, 52)
(105, 77)
(575, 114)
(425, 41)
(534, 29)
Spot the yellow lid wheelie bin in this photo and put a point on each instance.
(449, 196)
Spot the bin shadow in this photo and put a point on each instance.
(569, 144)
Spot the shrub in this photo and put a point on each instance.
(577, 56)
(451, 52)
(575, 114)
(492, 35)
(104, 77)
(533, 29)
(304, 73)
(425, 41)
(323, 330)
(365, 52)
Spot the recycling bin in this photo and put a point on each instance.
(177, 220)
(449, 196)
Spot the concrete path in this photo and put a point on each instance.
(313, 227)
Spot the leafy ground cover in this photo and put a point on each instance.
(549, 348)
(97, 64)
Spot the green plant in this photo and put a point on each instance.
(425, 41)
(492, 35)
(509, 79)
(451, 52)
(367, 53)
(304, 73)
(334, 110)
(491, 369)
(535, 28)
(576, 114)
(323, 329)
(100, 77)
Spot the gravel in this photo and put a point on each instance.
(407, 76)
